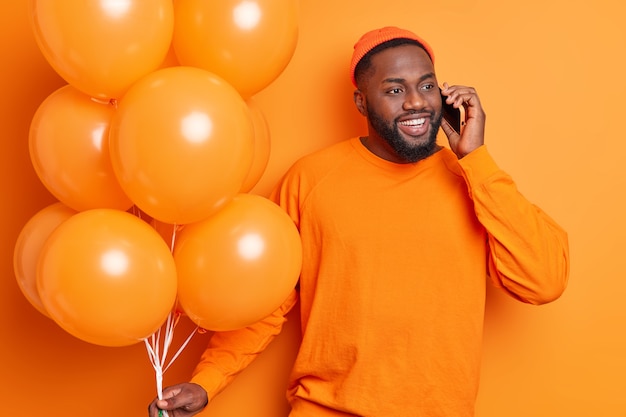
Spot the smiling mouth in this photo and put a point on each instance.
(414, 122)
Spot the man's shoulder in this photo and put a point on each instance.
(326, 157)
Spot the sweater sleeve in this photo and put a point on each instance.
(229, 353)
(528, 251)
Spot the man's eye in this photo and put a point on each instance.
(395, 91)
(428, 87)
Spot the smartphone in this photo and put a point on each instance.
(455, 117)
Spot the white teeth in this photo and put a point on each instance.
(414, 122)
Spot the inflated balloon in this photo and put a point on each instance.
(248, 43)
(69, 149)
(107, 277)
(262, 146)
(28, 247)
(101, 47)
(181, 143)
(239, 265)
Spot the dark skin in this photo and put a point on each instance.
(182, 400)
(401, 88)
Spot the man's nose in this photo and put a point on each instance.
(413, 100)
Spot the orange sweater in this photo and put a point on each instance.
(392, 288)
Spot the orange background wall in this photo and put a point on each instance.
(551, 78)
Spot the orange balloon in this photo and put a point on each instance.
(69, 149)
(107, 277)
(239, 265)
(101, 47)
(248, 43)
(181, 144)
(262, 146)
(28, 247)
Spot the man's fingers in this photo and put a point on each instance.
(171, 392)
(183, 399)
(162, 404)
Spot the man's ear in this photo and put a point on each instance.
(359, 100)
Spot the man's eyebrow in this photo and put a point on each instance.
(402, 80)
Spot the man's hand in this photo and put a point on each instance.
(182, 400)
(473, 135)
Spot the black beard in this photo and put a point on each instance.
(390, 133)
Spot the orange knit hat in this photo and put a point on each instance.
(375, 37)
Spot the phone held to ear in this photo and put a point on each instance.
(454, 117)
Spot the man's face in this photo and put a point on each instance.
(402, 104)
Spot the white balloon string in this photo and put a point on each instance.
(174, 229)
(167, 340)
(158, 369)
(184, 345)
(158, 358)
(153, 344)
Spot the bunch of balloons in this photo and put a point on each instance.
(151, 149)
